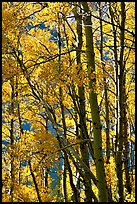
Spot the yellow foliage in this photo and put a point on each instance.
(33, 74)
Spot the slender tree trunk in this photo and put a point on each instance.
(106, 102)
(100, 170)
(83, 132)
(12, 141)
(119, 161)
(105, 90)
(45, 169)
(75, 189)
(116, 79)
(44, 177)
(20, 124)
(119, 71)
(82, 111)
(126, 151)
(66, 161)
(63, 117)
(34, 181)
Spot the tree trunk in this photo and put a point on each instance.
(105, 90)
(63, 118)
(119, 161)
(100, 170)
(126, 151)
(12, 141)
(20, 124)
(106, 101)
(34, 181)
(81, 105)
(66, 161)
(116, 79)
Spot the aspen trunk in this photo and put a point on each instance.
(105, 90)
(126, 151)
(100, 170)
(82, 112)
(119, 161)
(63, 117)
(12, 142)
(116, 79)
(34, 181)
(106, 101)
(66, 161)
(20, 124)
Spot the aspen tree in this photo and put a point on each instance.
(100, 170)
(82, 111)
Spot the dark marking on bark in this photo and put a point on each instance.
(100, 148)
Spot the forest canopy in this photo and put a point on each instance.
(68, 101)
